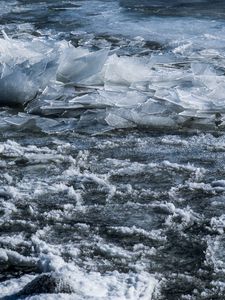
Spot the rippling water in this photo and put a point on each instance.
(112, 150)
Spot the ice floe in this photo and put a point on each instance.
(80, 89)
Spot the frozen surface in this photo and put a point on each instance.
(112, 146)
(96, 217)
(152, 77)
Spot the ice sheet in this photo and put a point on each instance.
(178, 88)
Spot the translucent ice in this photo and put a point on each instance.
(87, 88)
(77, 64)
(25, 67)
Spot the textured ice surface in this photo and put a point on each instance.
(64, 276)
(97, 217)
(178, 88)
(125, 214)
(71, 283)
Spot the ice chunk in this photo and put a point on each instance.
(16, 88)
(192, 99)
(151, 113)
(167, 94)
(201, 69)
(123, 71)
(130, 98)
(25, 66)
(119, 118)
(78, 64)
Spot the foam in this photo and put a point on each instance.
(13, 286)
(111, 285)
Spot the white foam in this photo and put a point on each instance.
(153, 234)
(14, 257)
(110, 285)
(12, 286)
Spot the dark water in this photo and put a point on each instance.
(193, 8)
(112, 176)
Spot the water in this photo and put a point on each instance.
(112, 147)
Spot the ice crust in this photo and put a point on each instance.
(85, 89)
(60, 278)
(70, 256)
(129, 215)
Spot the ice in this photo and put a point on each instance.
(13, 286)
(25, 67)
(127, 231)
(123, 71)
(14, 258)
(131, 98)
(16, 88)
(65, 278)
(112, 286)
(77, 64)
(77, 88)
(119, 119)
